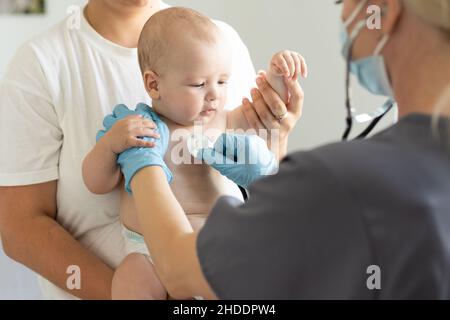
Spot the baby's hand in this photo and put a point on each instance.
(288, 64)
(126, 133)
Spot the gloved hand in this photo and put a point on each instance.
(241, 158)
(120, 111)
(134, 159)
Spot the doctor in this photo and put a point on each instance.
(368, 219)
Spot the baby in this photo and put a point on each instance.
(185, 61)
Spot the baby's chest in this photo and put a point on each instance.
(196, 185)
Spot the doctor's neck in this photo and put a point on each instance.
(120, 22)
(419, 66)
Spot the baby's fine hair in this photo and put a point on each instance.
(160, 33)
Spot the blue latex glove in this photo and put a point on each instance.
(241, 158)
(120, 111)
(134, 159)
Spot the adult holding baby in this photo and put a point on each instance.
(55, 94)
(187, 77)
(367, 219)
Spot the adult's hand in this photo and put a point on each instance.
(241, 158)
(267, 111)
(134, 159)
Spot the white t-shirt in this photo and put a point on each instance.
(55, 94)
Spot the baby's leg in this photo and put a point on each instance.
(135, 279)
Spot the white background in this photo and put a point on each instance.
(310, 27)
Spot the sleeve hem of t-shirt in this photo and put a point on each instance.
(27, 178)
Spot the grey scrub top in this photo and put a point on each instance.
(313, 230)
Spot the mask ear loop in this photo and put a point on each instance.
(349, 46)
(388, 105)
(376, 52)
(386, 108)
(380, 46)
(348, 104)
(355, 13)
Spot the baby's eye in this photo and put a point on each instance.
(198, 85)
(223, 82)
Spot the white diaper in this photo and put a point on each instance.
(135, 243)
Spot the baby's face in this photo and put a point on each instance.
(193, 86)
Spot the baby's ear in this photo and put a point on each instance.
(151, 80)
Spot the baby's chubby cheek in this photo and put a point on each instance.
(182, 114)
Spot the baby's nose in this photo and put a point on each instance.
(213, 94)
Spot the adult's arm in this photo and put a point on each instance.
(30, 143)
(169, 235)
(300, 235)
(31, 236)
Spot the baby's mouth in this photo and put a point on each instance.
(208, 111)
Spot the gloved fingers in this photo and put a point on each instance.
(243, 149)
(273, 167)
(121, 111)
(147, 111)
(233, 146)
(153, 117)
(225, 144)
(162, 129)
(210, 156)
(257, 152)
(143, 108)
(109, 121)
(100, 135)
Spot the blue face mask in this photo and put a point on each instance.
(370, 71)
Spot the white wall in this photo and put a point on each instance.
(16, 29)
(266, 26)
(16, 281)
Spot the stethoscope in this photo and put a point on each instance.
(375, 116)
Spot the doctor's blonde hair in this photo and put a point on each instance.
(435, 12)
(442, 110)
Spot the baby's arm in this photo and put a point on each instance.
(101, 174)
(284, 65)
